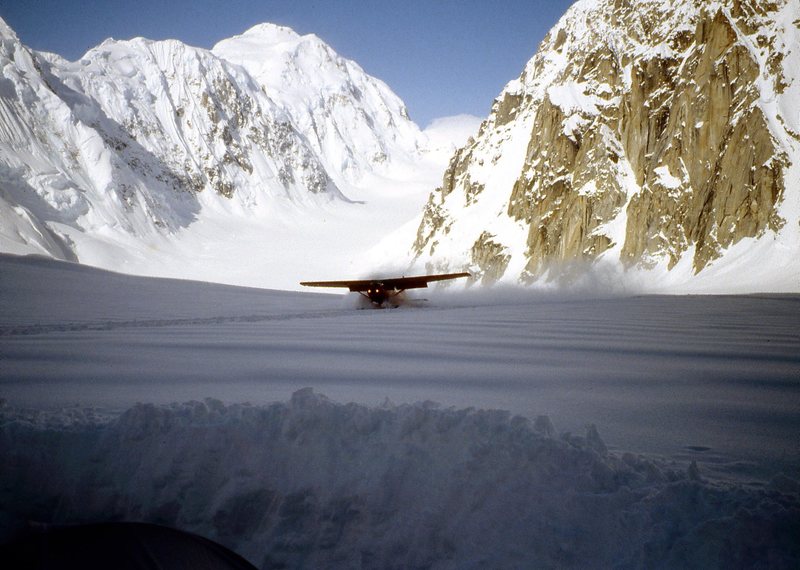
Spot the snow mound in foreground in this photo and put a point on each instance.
(316, 484)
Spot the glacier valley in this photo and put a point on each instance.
(255, 163)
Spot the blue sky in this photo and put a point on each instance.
(443, 57)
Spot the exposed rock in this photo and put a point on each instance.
(491, 258)
(653, 130)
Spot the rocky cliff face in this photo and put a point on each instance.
(643, 134)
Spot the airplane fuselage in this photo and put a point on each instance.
(377, 293)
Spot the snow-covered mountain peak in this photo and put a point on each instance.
(142, 153)
(134, 141)
(354, 120)
(282, 60)
(267, 34)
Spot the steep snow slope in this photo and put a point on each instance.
(205, 118)
(308, 483)
(354, 121)
(659, 140)
(57, 169)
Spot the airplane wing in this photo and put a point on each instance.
(398, 283)
(356, 285)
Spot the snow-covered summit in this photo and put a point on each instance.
(355, 122)
(6, 32)
(134, 141)
(265, 34)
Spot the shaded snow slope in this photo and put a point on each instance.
(315, 484)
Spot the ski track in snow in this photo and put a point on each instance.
(155, 323)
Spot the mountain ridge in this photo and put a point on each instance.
(125, 148)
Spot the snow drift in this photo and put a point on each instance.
(315, 484)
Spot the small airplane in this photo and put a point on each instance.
(379, 290)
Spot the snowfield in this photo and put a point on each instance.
(640, 431)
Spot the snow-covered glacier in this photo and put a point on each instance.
(641, 431)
